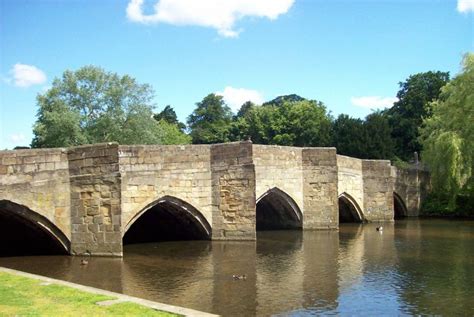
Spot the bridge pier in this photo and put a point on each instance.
(320, 188)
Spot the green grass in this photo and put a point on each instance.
(21, 296)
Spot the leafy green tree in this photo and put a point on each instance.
(172, 134)
(169, 115)
(278, 101)
(448, 137)
(244, 109)
(211, 121)
(349, 136)
(91, 105)
(288, 121)
(407, 113)
(378, 140)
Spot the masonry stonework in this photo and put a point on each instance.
(88, 196)
(320, 188)
(378, 190)
(95, 200)
(350, 178)
(233, 192)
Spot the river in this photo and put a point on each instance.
(412, 267)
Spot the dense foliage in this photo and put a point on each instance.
(91, 105)
(297, 122)
(407, 113)
(448, 139)
(210, 121)
(169, 115)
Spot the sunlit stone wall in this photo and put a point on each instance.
(281, 167)
(350, 178)
(378, 190)
(150, 172)
(38, 180)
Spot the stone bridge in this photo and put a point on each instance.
(96, 198)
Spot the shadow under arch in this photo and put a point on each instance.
(166, 219)
(276, 210)
(349, 209)
(399, 207)
(26, 232)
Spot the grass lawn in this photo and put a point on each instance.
(24, 296)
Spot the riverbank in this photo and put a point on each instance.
(29, 294)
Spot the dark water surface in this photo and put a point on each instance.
(413, 267)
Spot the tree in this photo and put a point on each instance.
(349, 136)
(91, 105)
(211, 121)
(172, 134)
(288, 121)
(448, 137)
(377, 135)
(169, 115)
(407, 113)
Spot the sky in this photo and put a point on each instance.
(349, 54)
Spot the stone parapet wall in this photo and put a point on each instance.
(320, 180)
(38, 180)
(281, 167)
(350, 180)
(95, 199)
(151, 172)
(233, 191)
(378, 190)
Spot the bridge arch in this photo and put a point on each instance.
(399, 207)
(276, 210)
(167, 218)
(349, 209)
(26, 232)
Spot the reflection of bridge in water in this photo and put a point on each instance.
(95, 198)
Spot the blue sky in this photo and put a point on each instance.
(350, 54)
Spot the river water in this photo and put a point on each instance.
(413, 267)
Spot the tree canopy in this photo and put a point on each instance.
(91, 105)
(407, 113)
(284, 121)
(210, 121)
(169, 115)
(448, 136)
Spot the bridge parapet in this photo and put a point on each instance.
(38, 180)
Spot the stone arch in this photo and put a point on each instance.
(167, 218)
(399, 207)
(276, 210)
(349, 209)
(28, 232)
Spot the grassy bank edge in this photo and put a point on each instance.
(20, 292)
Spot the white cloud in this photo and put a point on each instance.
(373, 102)
(465, 5)
(218, 14)
(236, 97)
(27, 75)
(17, 137)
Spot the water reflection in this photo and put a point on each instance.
(412, 267)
